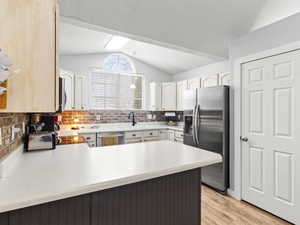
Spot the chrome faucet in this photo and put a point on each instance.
(133, 118)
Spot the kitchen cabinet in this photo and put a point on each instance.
(30, 38)
(210, 81)
(169, 96)
(81, 92)
(225, 79)
(69, 79)
(90, 139)
(178, 136)
(171, 135)
(155, 96)
(194, 83)
(181, 87)
(76, 91)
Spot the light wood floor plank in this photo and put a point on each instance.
(224, 210)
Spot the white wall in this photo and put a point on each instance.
(81, 64)
(274, 11)
(274, 35)
(220, 67)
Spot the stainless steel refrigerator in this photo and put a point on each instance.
(206, 118)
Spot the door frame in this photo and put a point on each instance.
(238, 97)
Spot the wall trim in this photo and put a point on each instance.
(8, 162)
(237, 81)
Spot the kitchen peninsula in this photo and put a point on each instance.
(133, 184)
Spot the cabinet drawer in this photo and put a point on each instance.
(178, 134)
(133, 140)
(151, 133)
(89, 137)
(134, 135)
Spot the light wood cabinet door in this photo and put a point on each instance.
(194, 83)
(155, 96)
(169, 96)
(181, 87)
(28, 36)
(210, 81)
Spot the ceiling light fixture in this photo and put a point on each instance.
(116, 43)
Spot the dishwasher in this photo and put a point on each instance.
(110, 138)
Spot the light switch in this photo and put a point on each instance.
(98, 117)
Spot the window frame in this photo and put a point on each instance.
(100, 70)
(119, 71)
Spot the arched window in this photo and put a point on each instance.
(118, 63)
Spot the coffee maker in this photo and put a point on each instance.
(40, 133)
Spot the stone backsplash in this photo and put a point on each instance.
(7, 120)
(107, 116)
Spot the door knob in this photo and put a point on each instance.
(244, 139)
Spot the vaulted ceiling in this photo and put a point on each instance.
(201, 28)
(75, 40)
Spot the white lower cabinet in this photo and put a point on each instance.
(178, 136)
(163, 135)
(90, 139)
(171, 135)
(134, 137)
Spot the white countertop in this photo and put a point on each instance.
(71, 170)
(100, 128)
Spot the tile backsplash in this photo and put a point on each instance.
(107, 116)
(7, 120)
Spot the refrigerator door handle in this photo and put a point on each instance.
(197, 121)
(194, 126)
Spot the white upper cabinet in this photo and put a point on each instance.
(169, 96)
(225, 79)
(194, 83)
(155, 96)
(69, 89)
(210, 81)
(81, 92)
(181, 87)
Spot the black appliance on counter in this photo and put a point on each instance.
(41, 133)
(206, 126)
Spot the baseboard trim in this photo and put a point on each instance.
(7, 163)
(233, 194)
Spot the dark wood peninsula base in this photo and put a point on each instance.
(169, 200)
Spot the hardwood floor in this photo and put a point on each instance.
(223, 210)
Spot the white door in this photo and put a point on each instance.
(69, 89)
(181, 87)
(194, 83)
(169, 96)
(271, 122)
(210, 81)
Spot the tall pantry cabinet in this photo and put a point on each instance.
(29, 37)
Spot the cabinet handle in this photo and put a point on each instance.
(151, 134)
(134, 135)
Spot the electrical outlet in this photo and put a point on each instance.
(98, 117)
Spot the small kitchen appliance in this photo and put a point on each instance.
(40, 133)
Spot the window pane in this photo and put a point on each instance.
(112, 91)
